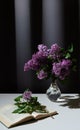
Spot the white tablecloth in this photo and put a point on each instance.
(67, 119)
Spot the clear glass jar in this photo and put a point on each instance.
(53, 92)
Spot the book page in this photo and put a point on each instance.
(9, 119)
(43, 115)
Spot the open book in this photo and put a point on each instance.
(10, 119)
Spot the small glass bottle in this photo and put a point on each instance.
(53, 92)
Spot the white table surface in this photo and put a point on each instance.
(67, 119)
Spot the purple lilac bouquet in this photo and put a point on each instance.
(54, 62)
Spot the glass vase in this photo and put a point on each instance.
(53, 92)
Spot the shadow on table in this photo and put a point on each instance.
(72, 102)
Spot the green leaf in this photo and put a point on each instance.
(18, 98)
(34, 99)
(67, 55)
(71, 48)
(16, 111)
(62, 49)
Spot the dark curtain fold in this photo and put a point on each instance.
(71, 27)
(35, 23)
(7, 47)
(24, 25)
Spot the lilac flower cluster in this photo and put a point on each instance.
(50, 63)
(61, 69)
(38, 59)
(27, 95)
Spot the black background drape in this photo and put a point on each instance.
(26, 23)
(7, 47)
